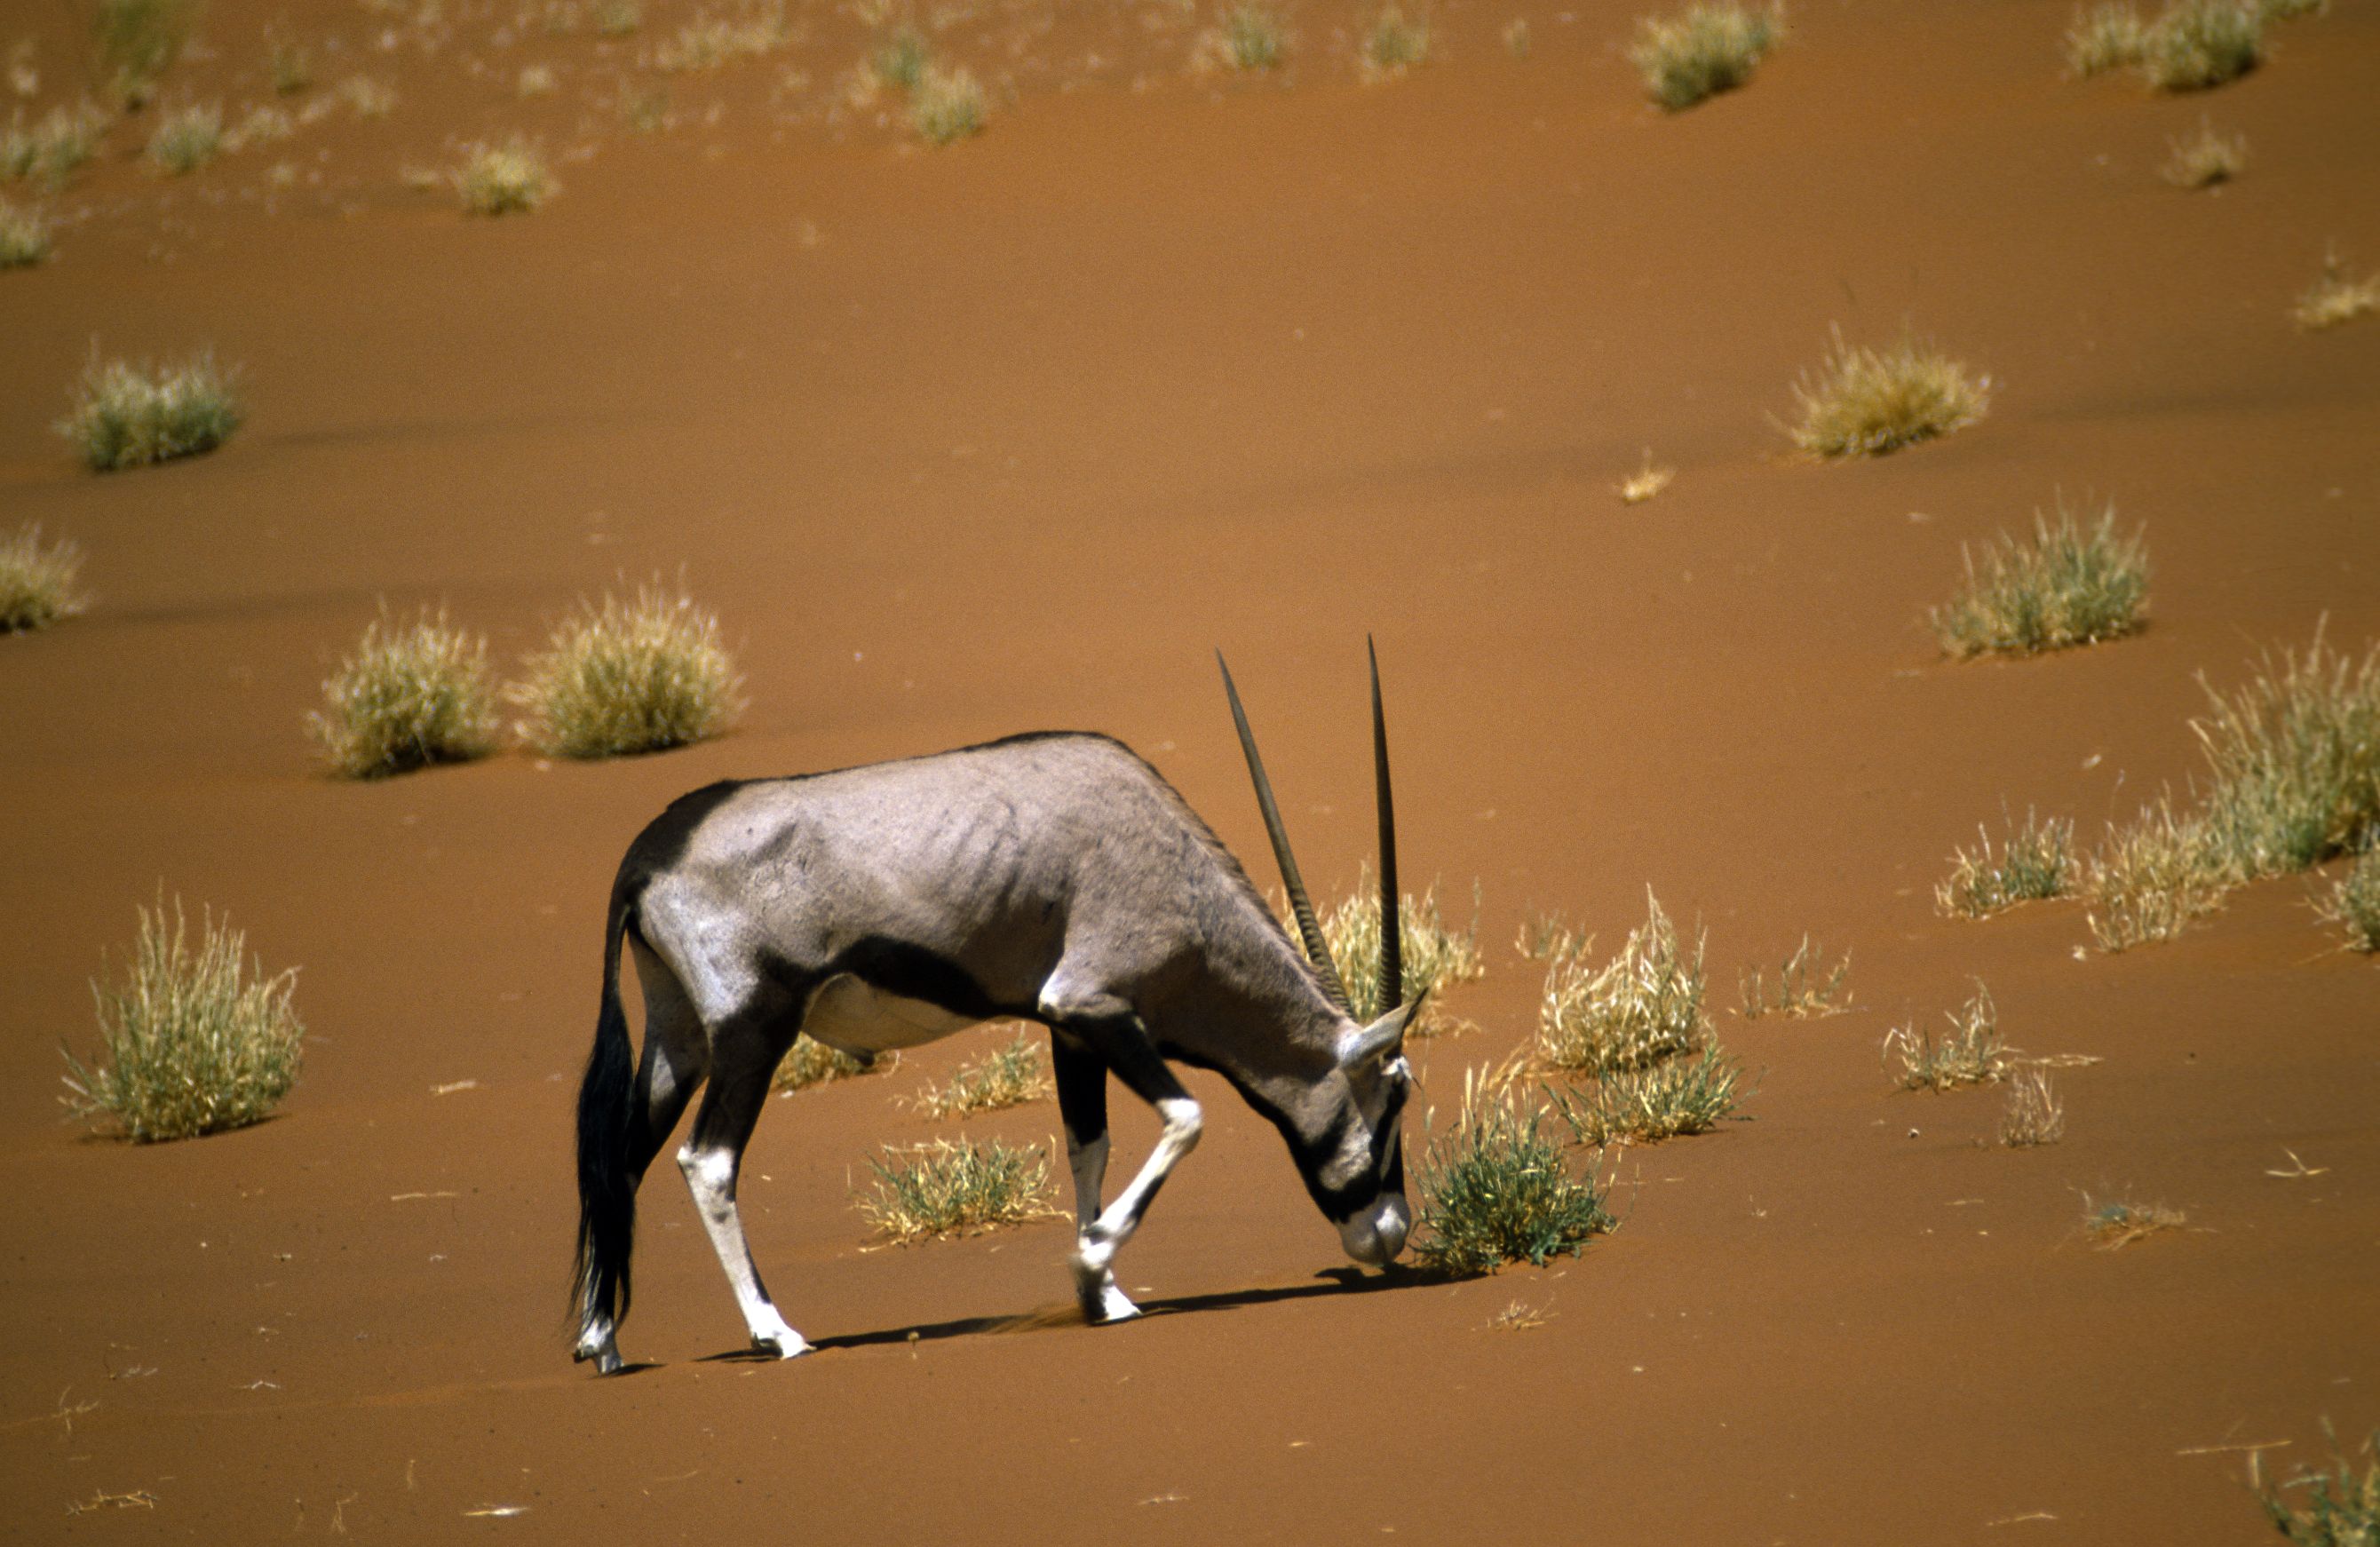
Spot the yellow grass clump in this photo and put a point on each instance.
(128, 415)
(2035, 1115)
(620, 677)
(1007, 1076)
(503, 179)
(410, 695)
(2335, 299)
(1972, 1054)
(1433, 955)
(51, 148)
(186, 138)
(37, 580)
(946, 107)
(809, 1062)
(1643, 1006)
(2105, 37)
(1807, 988)
(2034, 863)
(1702, 51)
(1865, 402)
(2204, 158)
(955, 1188)
(2071, 585)
(2194, 44)
(1394, 44)
(24, 237)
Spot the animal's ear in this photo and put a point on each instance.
(1383, 1038)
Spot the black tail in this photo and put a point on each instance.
(607, 1193)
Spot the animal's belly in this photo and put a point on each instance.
(850, 1017)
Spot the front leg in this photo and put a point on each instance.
(1082, 1080)
(1106, 1034)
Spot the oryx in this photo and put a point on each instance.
(1054, 877)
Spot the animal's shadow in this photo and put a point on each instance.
(1331, 1280)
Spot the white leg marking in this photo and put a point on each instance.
(598, 1342)
(710, 1177)
(1100, 1239)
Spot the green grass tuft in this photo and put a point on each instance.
(2071, 585)
(1007, 1076)
(1673, 1099)
(2341, 1509)
(955, 1188)
(2036, 862)
(139, 41)
(946, 107)
(24, 237)
(1807, 988)
(186, 138)
(620, 677)
(51, 149)
(1394, 44)
(192, 1040)
(1643, 1005)
(1251, 37)
(503, 179)
(37, 583)
(902, 60)
(1866, 402)
(2116, 1224)
(1972, 1054)
(2294, 761)
(1498, 1189)
(411, 696)
(1702, 51)
(128, 417)
(2194, 44)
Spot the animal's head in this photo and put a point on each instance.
(1353, 1151)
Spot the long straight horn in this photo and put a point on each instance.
(1318, 950)
(1392, 972)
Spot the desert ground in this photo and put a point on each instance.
(1012, 434)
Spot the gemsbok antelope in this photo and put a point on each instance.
(1053, 877)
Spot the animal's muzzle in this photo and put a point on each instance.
(1375, 1236)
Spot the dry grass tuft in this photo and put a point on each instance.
(290, 66)
(2341, 1509)
(709, 42)
(2034, 863)
(2194, 44)
(620, 677)
(24, 237)
(2353, 904)
(1547, 935)
(1972, 1054)
(956, 1189)
(186, 138)
(261, 125)
(503, 179)
(2071, 585)
(536, 81)
(2105, 37)
(2205, 158)
(1394, 44)
(809, 1062)
(2035, 1115)
(368, 98)
(1250, 39)
(138, 41)
(2114, 1226)
(1496, 1189)
(1643, 1005)
(617, 18)
(411, 696)
(37, 583)
(127, 416)
(1434, 956)
(2294, 761)
(192, 1040)
(901, 60)
(1645, 482)
(2335, 299)
(2151, 880)
(946, 107)
(1702, 51)
(51, 149)
(1005, 1076)
(1807, 988)
(1866, 402)
(1671, 1099)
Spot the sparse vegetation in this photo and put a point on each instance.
(947, 105)
(709, 41)
(1702, 51)
(1972, 1054)
(368, 98)
(536, 81)
(289, 64)
(2115, 1225)
(617, 18)
(2341, 1509)
(1673, 1099)
(1866, 402)
(2071, 585)
(261, 125)
(2353, 904)
(2036, 862)
(2034, 1115)
(1252, 37)
(2105, 37)
(192, 1040)
(2205, 158)
(1643, 1005)
(2194, 44)
(412, 695)
(957, 1188)
(24, 237)
(809, 1062)
(902, 59)
(1433, 955)
(139, 41)
(1547, 935)
(1517, 41)
(63, 140)
(1007, 1076)
(1394, 44)
(503, 179)
(1497, 1189)
(128, 415)
(2335, 299)
(37, 581)
(620, 677)
(2294, 761)
(1645, 482)
(186, 138)
(2150, 880)
(1807, 988)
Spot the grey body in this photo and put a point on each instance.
(1056, 878)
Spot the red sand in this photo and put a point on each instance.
(1009, 436)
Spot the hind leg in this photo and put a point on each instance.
(745, 1051)
(677, 1056)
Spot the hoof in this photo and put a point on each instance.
(787, 1344)
(1110, 1305)
(606, 1357)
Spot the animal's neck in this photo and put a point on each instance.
(1256, 1013)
